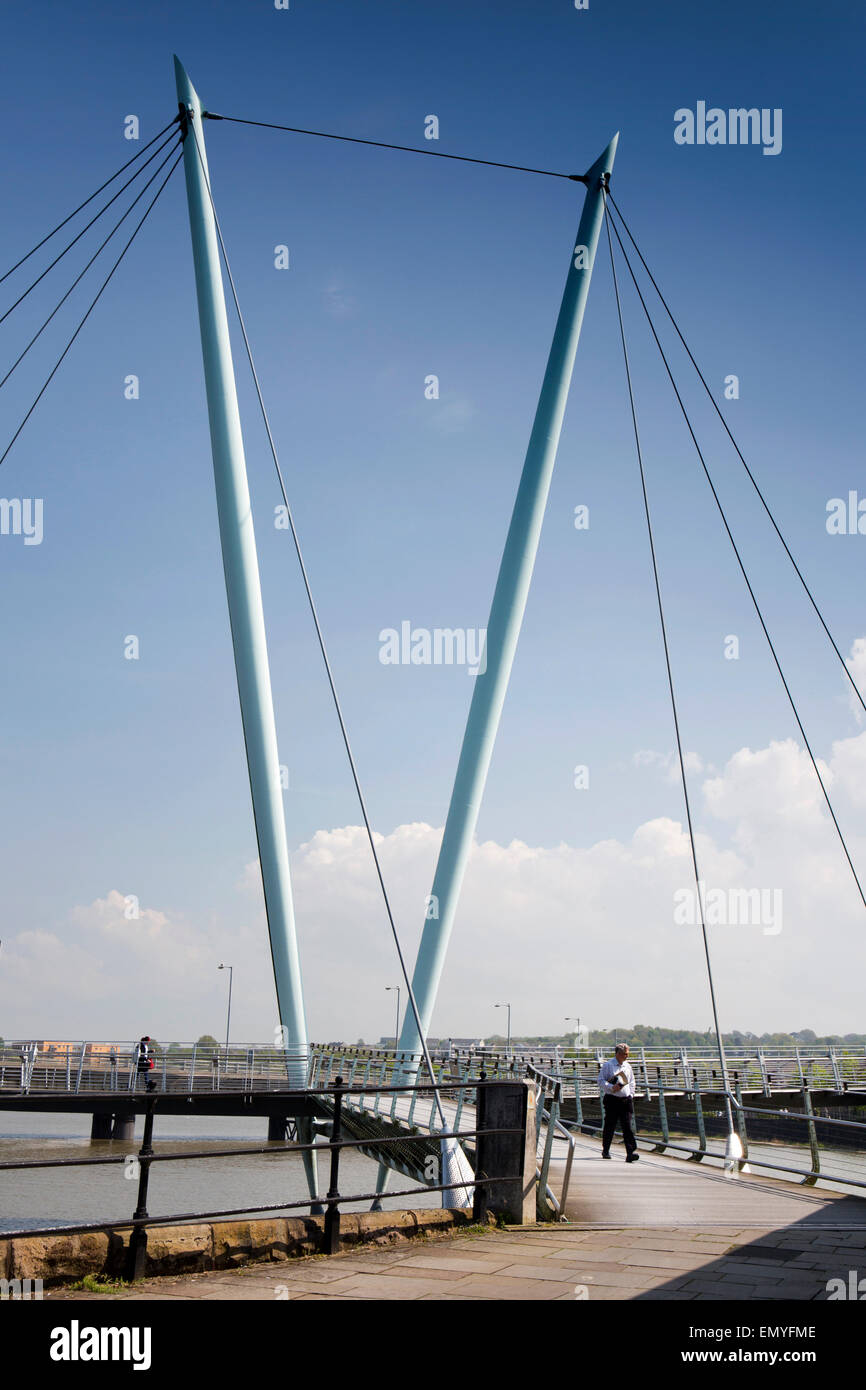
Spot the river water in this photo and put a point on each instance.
(72, 1196)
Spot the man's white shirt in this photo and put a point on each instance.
(608, 1071)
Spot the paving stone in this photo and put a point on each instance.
(384, 1286)
(515, 1289)
(459, 1264)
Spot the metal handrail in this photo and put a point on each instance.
(336, 1144)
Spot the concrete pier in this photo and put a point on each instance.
(124, 1127)
(100, 1127)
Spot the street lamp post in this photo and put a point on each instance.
(508, 1044)
(577, 1021)
(230, 969)
(388, 988)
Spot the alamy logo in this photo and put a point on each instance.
(730, 907)
(20, 1289)
(846, 518)
(443, 646)
(855, 1289)
(22, 516)
(77, 1343)
(736, 126)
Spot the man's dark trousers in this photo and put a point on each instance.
(618, 1110)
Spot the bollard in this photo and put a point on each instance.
(332, 1212)
(510, 1158)
(137, 1257)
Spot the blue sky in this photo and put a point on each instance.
(129, 777)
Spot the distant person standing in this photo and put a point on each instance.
(616, 1082)
(144, 1064)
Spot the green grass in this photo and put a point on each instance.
(98, 1283)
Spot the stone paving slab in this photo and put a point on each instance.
(670, 1240)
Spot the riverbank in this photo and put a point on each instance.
(217, 1245)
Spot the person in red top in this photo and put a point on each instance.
(144, 1064)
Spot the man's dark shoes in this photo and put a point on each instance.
(632, 1158)
(604, 1155)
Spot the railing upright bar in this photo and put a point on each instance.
(835, 1065)
(741, 1125)
(699, 1117)
(663, 1115)
(332, 1212)
(810, 1180)
(645, 1072)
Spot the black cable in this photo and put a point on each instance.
(77, 238)
(751, 475)
(80, 277)
(320, 636)
(93, 304)
(742, 567)
(156, 137)
(684, 779)
(385, 145)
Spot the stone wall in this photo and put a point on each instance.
(61, 1259)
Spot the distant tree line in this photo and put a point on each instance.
(644, 1035)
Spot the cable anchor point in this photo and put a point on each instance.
(184, 115)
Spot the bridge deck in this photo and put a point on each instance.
(664, 1191)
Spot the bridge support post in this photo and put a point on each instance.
(506, 614)
(240, 564)
(506, 1105)
(100, 1127)
(123, 1127)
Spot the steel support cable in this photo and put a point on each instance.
(93, 305)
(320, 637)
(752, 479)
(83, 205)
(669, 669)
(86, 228)
(385, 145)
(79, 277)
(742, 567)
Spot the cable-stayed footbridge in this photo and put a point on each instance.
(409, 1100)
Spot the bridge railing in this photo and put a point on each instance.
(794, 1142)
(84, 1066)
(506, 1185)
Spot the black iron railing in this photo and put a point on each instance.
(334, 1097)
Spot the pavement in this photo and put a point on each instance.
(661, 1229)
(543, 1263)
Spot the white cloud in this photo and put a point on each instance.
(856, 664)
(669, 764)
(556, 930)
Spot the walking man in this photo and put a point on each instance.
(144, 1064)
(616, 1081)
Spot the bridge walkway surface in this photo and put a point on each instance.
(662, 1229)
